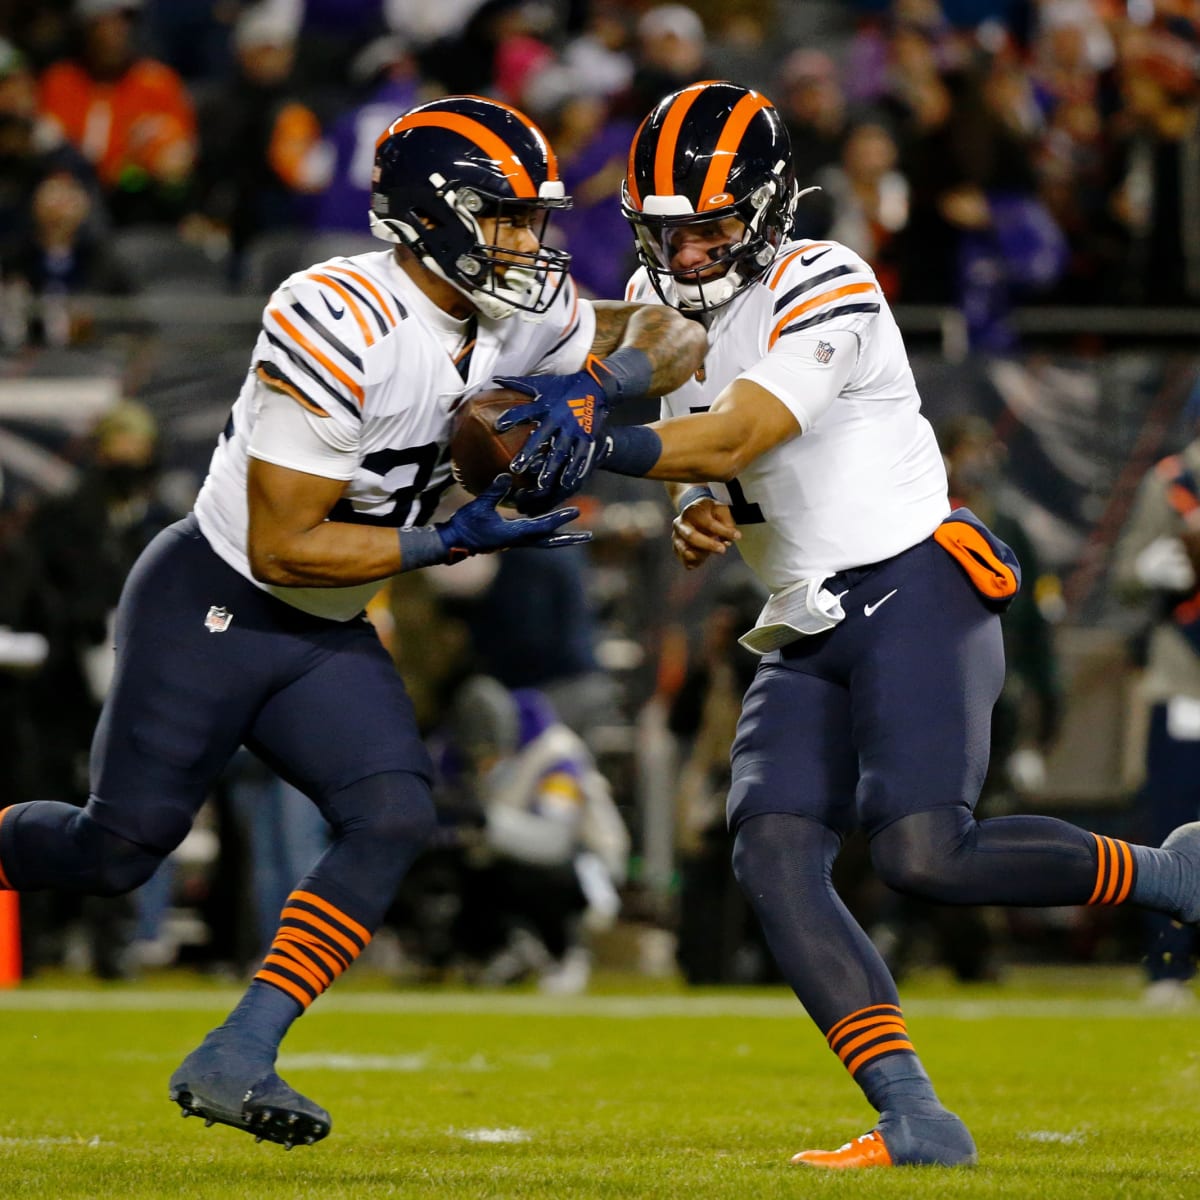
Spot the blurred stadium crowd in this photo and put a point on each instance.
(164, 163)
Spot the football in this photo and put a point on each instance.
(477, 452)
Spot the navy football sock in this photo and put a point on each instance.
(380, 826)
(784, 865)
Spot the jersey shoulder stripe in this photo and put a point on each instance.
(349, 377)
(388, 311)
(302, 364)
(323, 331)
(274, 378)
(813, 281)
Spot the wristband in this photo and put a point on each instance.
(624, 375)
(697, 491)
(421, 546)
(631, 450)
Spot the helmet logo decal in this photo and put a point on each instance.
(720, 200)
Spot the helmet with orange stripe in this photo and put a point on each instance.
(447, 175)
(710, 192)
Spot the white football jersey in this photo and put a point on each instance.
(378, 371)
(865, 478)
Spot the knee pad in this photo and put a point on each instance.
(394, 808)
(113, 864)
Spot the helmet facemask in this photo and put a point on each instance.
(765, 215)
(441, 222)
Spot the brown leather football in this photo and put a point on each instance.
(477, 452)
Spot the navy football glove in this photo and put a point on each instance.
(478, 528)
(571, 412)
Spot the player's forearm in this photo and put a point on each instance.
(674, 345)
(700, 448)
(332, 554)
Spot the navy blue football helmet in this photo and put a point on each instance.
(443, 167)
(708, 152)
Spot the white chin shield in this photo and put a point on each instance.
(710, 293)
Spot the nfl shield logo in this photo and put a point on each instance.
(218, 619)
(823, 353)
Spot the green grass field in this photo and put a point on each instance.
(1072, 1090)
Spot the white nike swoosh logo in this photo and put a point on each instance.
(868, 609)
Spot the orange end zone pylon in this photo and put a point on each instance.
(10, 939)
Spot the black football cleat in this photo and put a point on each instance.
(266, 1107)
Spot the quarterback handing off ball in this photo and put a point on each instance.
(477, 452)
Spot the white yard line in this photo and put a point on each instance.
(1065, 1007)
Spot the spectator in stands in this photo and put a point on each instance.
(719, 939)
(131, 117)
(31, 147)
(1157, 564)
(86, 542)
(1159, 191)
(870, 199)
(22, 613)
(534, 626)
(593, 148)
(811, 102)
(59, 257)
(672, 51)
(552, 847)
(385, 76)
(261, 154)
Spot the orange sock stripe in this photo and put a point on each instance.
(296, 992)
(5, 886)
(291, 963)
(336, 958)
(1101, 869)
(869, 1023)
(874, 1010)
(1114, 871)
(1127, 885)
(336, 941)
(348, 923)
(893, 1028)
(320, 958)
(890, 1047)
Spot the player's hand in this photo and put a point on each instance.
(704, 528)
(477, 528)
(571, 412)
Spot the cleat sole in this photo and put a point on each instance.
(277, 1125)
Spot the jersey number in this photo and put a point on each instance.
(422, 460)
(743, 511)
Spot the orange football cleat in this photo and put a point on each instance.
(866, 1151)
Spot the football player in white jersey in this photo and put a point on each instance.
(801, 440)
(243, 622)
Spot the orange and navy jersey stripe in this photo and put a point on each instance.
(869, 1034)
(490, 141)
(840, 289)
(1115, 871)
(316, 942)
(321, 324)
